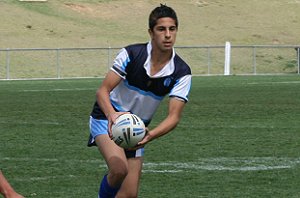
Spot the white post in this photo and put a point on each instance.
(298, 57)
(227, 58)
(7, 64)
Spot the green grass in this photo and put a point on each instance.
(239, 137)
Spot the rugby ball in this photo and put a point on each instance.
(128, 130)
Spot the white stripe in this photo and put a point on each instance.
(161, 171)
(283, 82)
(43, 90)
(139, 152)
(206, 164)
(126, 99)
(16, 122)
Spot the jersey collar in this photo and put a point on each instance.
(167, 70)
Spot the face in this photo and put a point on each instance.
(163, 35)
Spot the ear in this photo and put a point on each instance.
(150, 33)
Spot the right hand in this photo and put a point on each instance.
(112, 119)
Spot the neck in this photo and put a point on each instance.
(158, 56)
(159, 60)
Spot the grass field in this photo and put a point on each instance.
(239, 137)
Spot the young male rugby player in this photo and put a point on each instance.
(141, 75)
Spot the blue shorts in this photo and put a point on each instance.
(100, 127)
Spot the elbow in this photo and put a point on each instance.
(98, 93)
(101, 92)
(176, 121)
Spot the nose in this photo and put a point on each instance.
(167, 34)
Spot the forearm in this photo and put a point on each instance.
(169, 123)
(104, 101)
(164, 127)
(103, 93)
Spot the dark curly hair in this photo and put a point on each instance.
(160, 12)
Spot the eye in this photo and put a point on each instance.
(172, 29)
(161, 29)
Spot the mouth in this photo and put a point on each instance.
(167, 44)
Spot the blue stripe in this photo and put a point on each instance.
(125, 63)
(142, 92)
(117, 106)
(123, 123)
(120, 109)
(177, 82)
(138, 129)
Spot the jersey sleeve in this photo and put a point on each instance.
(182, 88)
(120, 63)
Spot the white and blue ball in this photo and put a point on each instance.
(128, 130)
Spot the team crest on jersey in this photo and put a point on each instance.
(167, 82)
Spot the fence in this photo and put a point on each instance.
(94, 62)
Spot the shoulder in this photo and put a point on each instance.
(136, 48)
(137, 54)
(181, 67)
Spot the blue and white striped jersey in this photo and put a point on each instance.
(139, 92)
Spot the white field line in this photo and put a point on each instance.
(15, 122)
(282, 82)
(37, 123)
(228, 126)
(46, 90)
(205, 164)
(201, 164)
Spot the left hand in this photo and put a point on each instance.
(146, 139)
(143, 142)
